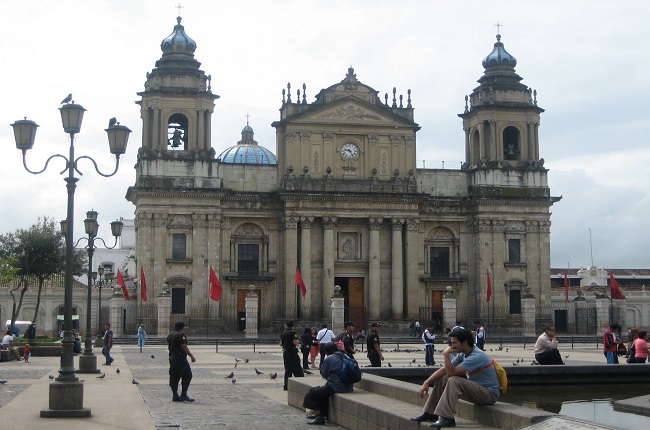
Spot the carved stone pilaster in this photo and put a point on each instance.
(373, 138)
(329, 222)
(394, 138)
(484, 225)
(375, 223)
(397, 223)
(289, 221)
(545, 226)
(532, 226)
(305, 222)
(160, 220)
(413, 224)
(498, 225)
(214, 221)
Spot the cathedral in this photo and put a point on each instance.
(341, 202)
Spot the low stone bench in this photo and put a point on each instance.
(5, 355)
(42, 350)
(384, 403)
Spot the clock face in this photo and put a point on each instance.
(349, 151)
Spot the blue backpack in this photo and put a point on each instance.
(350, 372)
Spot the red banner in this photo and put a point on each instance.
(215, 286)
(143, 285)
(489, 286)
(120, 282)
(616, 291)
(301, 283)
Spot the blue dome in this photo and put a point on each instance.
(499, 56)
(247, 151)
(178, 41)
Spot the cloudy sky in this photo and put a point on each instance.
(588, 60)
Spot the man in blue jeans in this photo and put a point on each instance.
(108, 344)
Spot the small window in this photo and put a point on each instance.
(515, 301)
(179, 245)
(439, 262)
(248, 256)
(514, 251)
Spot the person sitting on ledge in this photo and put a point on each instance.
(546, 351)
(470, 375)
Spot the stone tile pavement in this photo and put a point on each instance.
(252, 402)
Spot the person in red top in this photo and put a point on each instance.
(610, 343)
(641, 351)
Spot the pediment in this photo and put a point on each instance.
(351, 110)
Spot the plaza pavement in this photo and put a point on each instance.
(252, 402)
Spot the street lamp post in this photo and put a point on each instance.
(66, 391)
(105, 280)
(88, 360)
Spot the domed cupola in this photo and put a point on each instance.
(499, 56)
(247, 151)
(178, 42)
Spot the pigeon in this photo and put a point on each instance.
(50, 376)
(67, 99)
(246, 360)
(566, 356)
(273, 375)
(152, 356)
(235, 366)
(390, 365)
(102, 377)
(514, 363)
(118, 370)
(500, 348)
(233, 380)
(413, 361)
(232, 374)
(133, 381)
(507, 350)
(258, 372)
(517, 360)
(237, 360)
(3, 382)
(112, 122)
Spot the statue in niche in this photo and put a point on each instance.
(349, 248)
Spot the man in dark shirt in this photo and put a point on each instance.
(289, 343)
(348, 338)
(108, 344)
(179, 368)
(374, 349)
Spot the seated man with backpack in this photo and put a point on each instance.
(471, 375)
(341, 372)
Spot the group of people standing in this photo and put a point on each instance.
(636, 350)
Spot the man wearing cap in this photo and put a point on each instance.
(324, 336)
(289, 342)
(374, 349)
(348, 338)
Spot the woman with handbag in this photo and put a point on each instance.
(631, 337)
(305, 346)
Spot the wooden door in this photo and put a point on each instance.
(356, 302)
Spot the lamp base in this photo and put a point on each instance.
(88, 364)
(66, 401)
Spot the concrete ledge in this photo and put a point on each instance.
(382, 403)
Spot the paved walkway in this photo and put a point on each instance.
(252, 402)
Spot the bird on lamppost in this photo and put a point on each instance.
(66, 391)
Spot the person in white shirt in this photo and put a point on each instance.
(7, 343)
(324, 336)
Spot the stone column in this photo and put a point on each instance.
(528, 314)
(252, 306)
(312, 296)
(449, 309)
(328, 262)
(290, 246)
(411, 281)
(602, 314)
(337, 308)
(374, 275)
(164, 311)
(397, 274)
(115, 315)
(156, 140)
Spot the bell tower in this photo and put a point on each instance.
(501, 117)
(177, 102)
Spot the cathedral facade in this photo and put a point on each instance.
(341, 201)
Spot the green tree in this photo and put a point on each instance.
(39, 254)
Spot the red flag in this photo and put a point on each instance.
(301, 283)
(215, 286)
(566, 287)
(489, 285)
(120, 282)
(616, 292)
(143, 285)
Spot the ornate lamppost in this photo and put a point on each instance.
(88, 360)
(66, 391)
(105, 280)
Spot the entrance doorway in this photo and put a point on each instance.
(436, 310)
(241, 308)
(354, 305)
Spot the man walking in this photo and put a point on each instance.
(546, 351)
(108, 344)
(179, 367)
(470, 375)
(324, 336)
(348, 338)
(374, 349)
(289, 342)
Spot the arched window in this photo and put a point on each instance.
(511, 146)
(177, 128)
